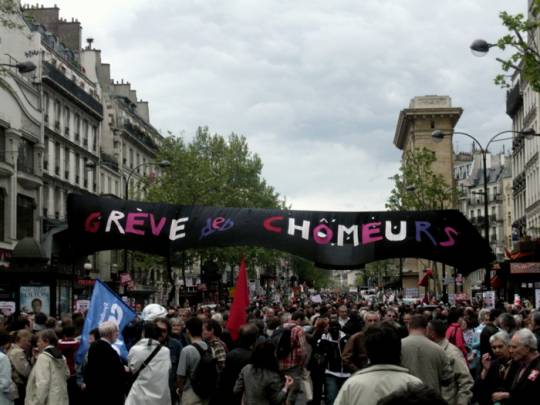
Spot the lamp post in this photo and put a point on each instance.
(527, 132)
(23, 67)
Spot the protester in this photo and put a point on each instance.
(20, 362)
(535, 326)
(460, 391)
(104, 374)
(211, 334)
(260, 382)
(424, 358)
(190, 357)
(175, 348)
(498, 370)
(413, 395)
(7, 388)
(235, 361)
(383, 376)
(150, 362)
(526, 384)
(47, 382)
(68, 345)
(331, 345)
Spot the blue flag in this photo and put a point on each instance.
(105, 305)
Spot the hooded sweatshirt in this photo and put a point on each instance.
(47, 381)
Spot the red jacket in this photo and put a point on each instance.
(454, 334)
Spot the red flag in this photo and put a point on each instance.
(238, 315)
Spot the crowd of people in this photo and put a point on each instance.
(341, 351)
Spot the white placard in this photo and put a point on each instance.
(317, 298)
(7, 308)
(489, 299)
(82, 305)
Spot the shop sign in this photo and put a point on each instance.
(525, 268)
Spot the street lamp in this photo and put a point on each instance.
(23, 67)
(528, 133)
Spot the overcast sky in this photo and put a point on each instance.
(315, 86)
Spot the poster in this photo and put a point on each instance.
(64, 298)
(537, 298)
(7, 308)
(34, 299)
(489, 299)
(82, 305)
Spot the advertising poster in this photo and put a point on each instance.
(34, 299)
(7, 308)
(82, 306)
(537, 298)
(489, 299)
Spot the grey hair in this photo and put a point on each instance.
(107, 329)
(501, 336)
(483, 313)
(527, 338)
(368, 313)
(286, 317)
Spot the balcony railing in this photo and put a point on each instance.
(57, 77)
(140, 135)
(109, 161)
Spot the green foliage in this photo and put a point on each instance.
(521, 40)
(313, 276)
(215, 171)
(417, 186)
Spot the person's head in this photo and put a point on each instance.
(523, 345)
(164, 328)
(45, 338)
(390, 315)
(414, 394)
(436, 330)
(333, 329)
(177, 325)
(383, 344)
(40, 318)
(272, 323)
(194, 326)
(298, 317)
(5, 340)
(247, 335)
(483, 315)
(343, 312)
(93, 335)
(269, 313)
(535, 319)
(507, 322)
(499, 343)
(454, 315)
(108, 330)
(37, 304)
(418, 323)
(371, 318)
(68, 331)
(407, 316)
(264, 356)
(23, 338)
(211, 330)
(151, 331)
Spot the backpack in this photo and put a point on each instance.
(282, 341)
(205, 377)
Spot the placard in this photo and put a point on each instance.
(525, 268)
(537, 298)
(82, 305)
(489, 299)
(34, 299)
(7, 308)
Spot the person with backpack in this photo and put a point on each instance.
(197, 374)
(290, 342)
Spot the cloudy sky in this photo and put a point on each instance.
(316, 86)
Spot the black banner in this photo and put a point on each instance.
(336, 240)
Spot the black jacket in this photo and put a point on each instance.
(332, 351)
(526, 386)
(499, 378)
(104, 375)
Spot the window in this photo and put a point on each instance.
(46, 155)
(25, 216)
(57, 113)
(2, 214)
(67, 117)
(3, 145)
(77, 168)
(77, 127)
(85, 132)
(67, 163)
(46, 102)
(94, 138)
(25, 160)
(57, 158)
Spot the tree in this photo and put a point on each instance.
(215, 171)
(308, 273)
(8, 10)
(521, 39)
(417, 186)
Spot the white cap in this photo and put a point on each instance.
(152, 312)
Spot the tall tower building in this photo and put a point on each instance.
(416, 124)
